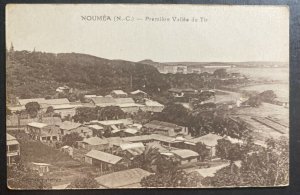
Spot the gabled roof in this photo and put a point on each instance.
(11, 140)
(104, 157)
(131, 131)
(95, 141)
(37, 125)
(9, 137)
(56, 101)
(137, 92)
(123, 179)
(103, 101)
(119, 92)
(68, 125)
(124, 100)
(97, 127)
(184, 153)
(126, 146)
(209, 139)
(23, 102)
(161, 125)
(152, 103)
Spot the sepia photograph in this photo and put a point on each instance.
(107, 96)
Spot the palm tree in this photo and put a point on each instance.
(148, 159)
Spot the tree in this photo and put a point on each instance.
(50, 110)
(263, 167)
(227, 150)
(177, 178)
(83, 183)
(267, 96)
(254, 101)
(110, 113)
(220, 73)
(71, 139)
(174, 113)
(148, 160)
(202, 150)
(32, 108)
(85, 114)
(20, 177)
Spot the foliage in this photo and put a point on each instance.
(32, 108)
(36, 74)
(50, 109)
(83, 183)
(178, 178)
(86, 114)
(254, 101)
(71, 139)
(202, 150)
(226, 150)
(267, 96)
(174, 113)
(148, 160)
(20, 177)
(220, 73)
(264, 167)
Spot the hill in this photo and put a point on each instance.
(36, 74)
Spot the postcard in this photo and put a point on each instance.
(146, 96)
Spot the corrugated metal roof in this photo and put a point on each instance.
(123, 179)
(95, 141)
(37, 125)
(126, 146)
(119, 92)
(209, 139)
(137, 92)
(104, 157)
(184, 153)
(68, 125)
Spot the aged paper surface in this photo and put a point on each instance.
(141, 96)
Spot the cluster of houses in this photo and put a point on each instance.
(129, 103)
(114, 153)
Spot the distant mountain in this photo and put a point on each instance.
(239, 64)
(36, 74)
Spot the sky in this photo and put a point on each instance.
(230, 33)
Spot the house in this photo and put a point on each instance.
(12, 149)
(44, 103)
(103, 101)
(118, 94)
(139, 93)
(130, 178)
(23, 102)
(67, 127)
(63, 89)
(152, 106)
(165, 128)
(128, 105)
(67, 149)
(96, 129)
(131, 150)
(43, 132)
(65, 110)
(210, 140)
(130, 131)
(41, 168)
(13, 122)
(112, 124)
(105, 161)
(94, 143)
(185, 155)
